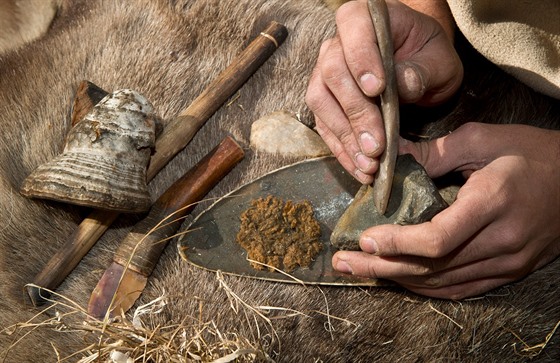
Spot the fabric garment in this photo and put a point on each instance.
(520, 36)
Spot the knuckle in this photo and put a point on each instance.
(345, 12)
(355, 112)
(519, 265)
(437, 248)
(510, 237)
(337, 150)
(311, 97)
(512, 240)
(371, 270)
(321, 128)
(516, 265)
(333, 74)
(346, 137)
(477, 132)
(315, 100)
(331, 65)
(424, 153)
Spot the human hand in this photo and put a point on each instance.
(349, 74)
(504, 224)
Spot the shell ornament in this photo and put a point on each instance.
(104, 161)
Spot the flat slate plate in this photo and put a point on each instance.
(210, 242)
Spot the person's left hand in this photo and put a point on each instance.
(504, 224)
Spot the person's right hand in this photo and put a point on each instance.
(349, 75)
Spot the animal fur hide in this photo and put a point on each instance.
(169, 50)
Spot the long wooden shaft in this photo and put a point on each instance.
(176, 135)
(142, 247)
(389, 106)
(181, 130)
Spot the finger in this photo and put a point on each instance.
(431, 75)
(457, 283)
(427, 67)
(464, 149)
(486, 245)
(514, 266)
(327, 112)
(480, 277)
(485, 249)
(358, 38)
(361, 112)
(410, 272)
(341, 155)
(334, 123)
(464, 290)
(342, 261)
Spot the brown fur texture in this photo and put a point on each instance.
(22, 21)
(169, 50)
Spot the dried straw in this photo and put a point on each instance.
(122, 340)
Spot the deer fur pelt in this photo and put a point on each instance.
(169, 50)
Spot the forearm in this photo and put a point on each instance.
(437, 9)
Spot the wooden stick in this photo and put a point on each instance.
(389, 106)
(176, 135)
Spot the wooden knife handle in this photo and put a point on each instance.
(142, 247)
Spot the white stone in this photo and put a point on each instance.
(281, 133)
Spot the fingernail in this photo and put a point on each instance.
(362, 177)
(413, 80)
(370, 84)
(369, 245)
(368, 143)
(364, 163)
(344, 267)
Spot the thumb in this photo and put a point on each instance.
(461, 150)
(429, 77)
(428, 154)
(411, 82)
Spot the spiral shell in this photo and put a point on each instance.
(104, 161)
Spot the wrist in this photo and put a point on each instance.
(438, 10)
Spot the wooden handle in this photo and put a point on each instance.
(176, 135)
(181, 130)
(66, 258)
(389, 106)
(142, 247)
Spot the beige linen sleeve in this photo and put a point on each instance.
(520, 36)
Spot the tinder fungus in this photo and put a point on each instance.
(282, 235)
(104, 161)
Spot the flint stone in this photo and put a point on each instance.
(414, 199)
(281, 133)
